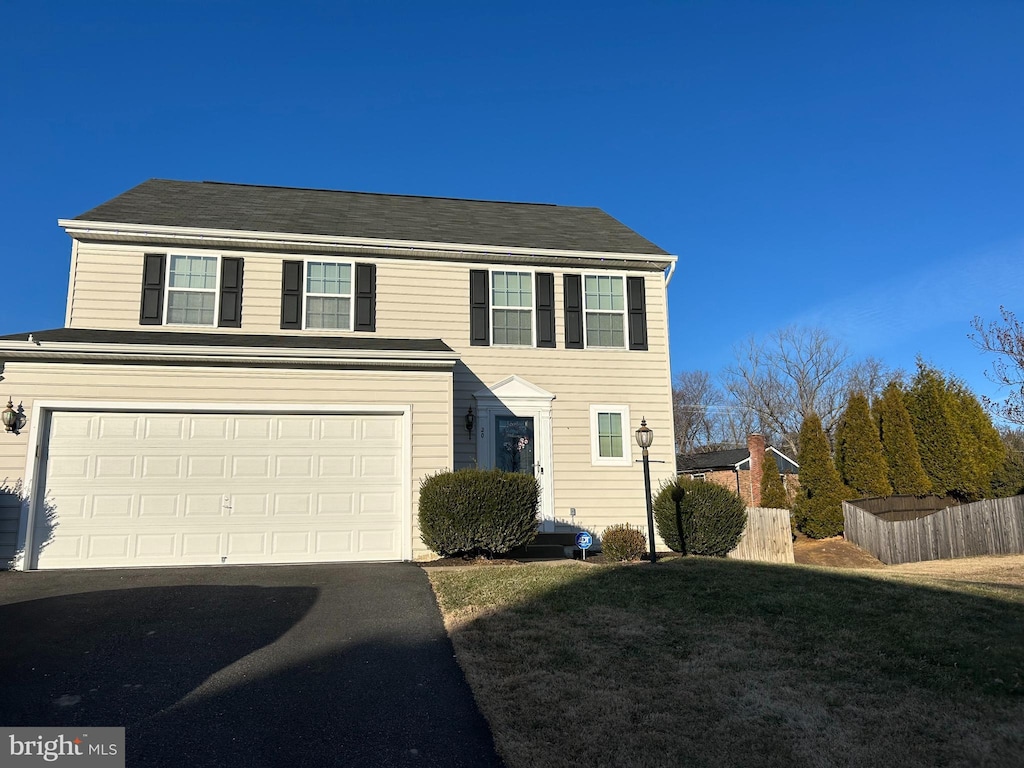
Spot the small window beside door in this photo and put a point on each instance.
(610, 436)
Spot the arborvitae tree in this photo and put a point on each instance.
(988, 453)
(773, 492)
(899, 445)
(1009, 478)
(818, 508)
(959, 447)
(859, 456)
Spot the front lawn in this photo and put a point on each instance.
(703, 662)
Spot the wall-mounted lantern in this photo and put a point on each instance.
(470, 420)
(13, 420)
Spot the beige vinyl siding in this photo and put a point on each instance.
(429, 394)
(430, 299)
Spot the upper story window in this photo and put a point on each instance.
(512, 308)
(605, 307)
(329, 295)
(191, 290)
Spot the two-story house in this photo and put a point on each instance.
(258, 374)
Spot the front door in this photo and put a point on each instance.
(514, 444)
(514, 434)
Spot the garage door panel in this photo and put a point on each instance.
(157, 546)
(162, 467)
(165, 489)
(118, 506)
(164, 427)
(119, 427)
(213, 427)
(339, 430)
(292, 504)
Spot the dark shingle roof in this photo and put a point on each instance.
(215, 205)
(699, 462)
(186, 338)
(703, 462)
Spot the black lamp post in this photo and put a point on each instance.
(644, 438)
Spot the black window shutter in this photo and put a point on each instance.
(230, 293)
(573, 290)
(545, 309)
(479, 308)
(366, 297)
(636, 299)
(153, 270)
(291, 296)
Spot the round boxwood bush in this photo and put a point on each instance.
(475, 512)
(712, 517)
(623, 542)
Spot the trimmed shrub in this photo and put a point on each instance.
(475, 512)
(623, 542)
(712, 518)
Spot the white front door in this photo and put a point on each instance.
(514, 434)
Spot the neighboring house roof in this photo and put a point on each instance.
(701, 462)
(734, 458)
(241, 207)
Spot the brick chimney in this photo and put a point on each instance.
(755, 444)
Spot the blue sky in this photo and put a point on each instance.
(858, 166)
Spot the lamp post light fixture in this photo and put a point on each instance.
(644, 438)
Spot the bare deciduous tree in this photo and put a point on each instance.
(793, 373)
(694, 394)
(1004, 338)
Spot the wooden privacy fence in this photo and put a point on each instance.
(767, 538)
(989, 527)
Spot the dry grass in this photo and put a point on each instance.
(705, 662)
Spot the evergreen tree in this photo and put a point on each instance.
(906, 474)
(960, 449)
(1009, 478)
(773, 492)
(988, 453)
(859, 457)
(818, 508)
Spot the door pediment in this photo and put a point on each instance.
(514, 389)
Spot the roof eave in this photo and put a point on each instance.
(104, 230)
(157, 354)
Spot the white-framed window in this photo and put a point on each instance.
(610, 436)
(512, 308)
(604, 305)
(191, 289)
(698, 476)
(328, 296)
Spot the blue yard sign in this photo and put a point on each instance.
(584, 541)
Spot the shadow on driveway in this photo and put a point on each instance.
(306, 665)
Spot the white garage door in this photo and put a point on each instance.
(138, 489)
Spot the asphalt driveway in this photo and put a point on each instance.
(315, 665)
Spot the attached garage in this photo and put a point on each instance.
(129, 488)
